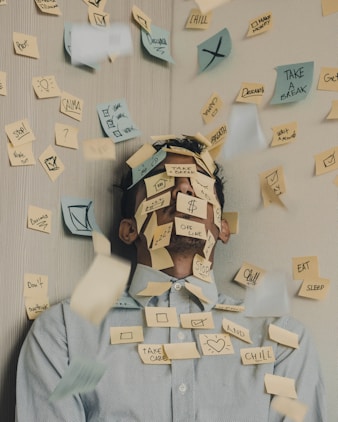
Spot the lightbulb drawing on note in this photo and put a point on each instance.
(46, 87)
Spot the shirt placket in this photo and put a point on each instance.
(183, 394)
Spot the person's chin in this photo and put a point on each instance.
(185, 244)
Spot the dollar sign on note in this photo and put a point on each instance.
(192, 207)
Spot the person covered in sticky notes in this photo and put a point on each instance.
(170, 347)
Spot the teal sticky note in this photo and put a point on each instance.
(78, 215)
(157, 43)
(116, 120)
(214, 50)
(293, 82)
(81, 376)
(143, 169)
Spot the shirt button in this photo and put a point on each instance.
(182, 388)
(177, 286)
(180, 335)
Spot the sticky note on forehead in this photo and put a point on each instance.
(144, 168)
(146, 151)
(181, 170)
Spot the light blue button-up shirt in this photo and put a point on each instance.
(213, 388)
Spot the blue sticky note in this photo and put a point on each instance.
(214, 50)
(157, 43)
(144, 168)
(116, 121)
(293, 82)
(78, 215)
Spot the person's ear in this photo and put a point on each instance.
(128, 231)
(224, 233)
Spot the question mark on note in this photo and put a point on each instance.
(66, 130)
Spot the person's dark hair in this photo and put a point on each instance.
(128, 195)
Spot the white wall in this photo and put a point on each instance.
(270, 237)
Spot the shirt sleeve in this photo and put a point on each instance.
(303, 366)
(43, 359)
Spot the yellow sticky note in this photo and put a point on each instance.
(291, 408)
(250, 93)
(101, 244)
(161, 259)
(326, 161)
(203, 186)
(201, 268)
(328, 80)
(26, 45)
(158, 183)
(35, 306)
(280, 386)
(21, 155)
(207, 5)
(236, 330)
(197, 320)
(198, 20)
(217, 138)
(190, 205)
(314, 289)
(99, 149)
(260, 24)
(141, 18)
(181, 170)
(128, 334)
(156, 203)
(48, 6)
(190, 228)
(161, 236)
(3, 83)
(71, 106)
(155, 288)
(250, 275)
(39, 219)
(217, 215)
(272, 185)
(35, 285)
(333, 112)
(283, 336)
(181, 350)
(95, 293)
(66, 136)
(257, 355)
(196, 291)
(19, 132)
(142, 154)
(153, 354)
(209, 244)
(98, 18)
(229, 308)
(211, 108)
(305, 267)
(98, 5)
(51, 163)
(284, 134)
(216, 344)
(232, 218)
(157, 316)
(46, 86)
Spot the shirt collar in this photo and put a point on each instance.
(143, 274)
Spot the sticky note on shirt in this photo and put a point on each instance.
(201, 268)
(123, 335)
(153, 354)
(257, 355)
(216, 344)
(181, 350)
(282, 336)
(197, 320)
(236, 330)
(280, 386)
(157, 316)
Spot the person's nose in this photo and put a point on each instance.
(183, 185)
